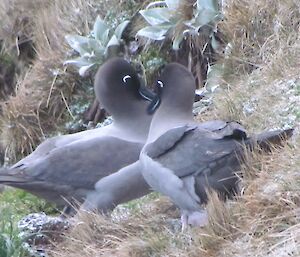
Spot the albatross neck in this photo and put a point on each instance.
(134, 121)
(168, 118)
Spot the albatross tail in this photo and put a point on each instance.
(266, 141)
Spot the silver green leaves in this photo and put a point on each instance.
(93, 49)
(206, 12)
(164, 17)
(160, 20)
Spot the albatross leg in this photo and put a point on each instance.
(184, 222)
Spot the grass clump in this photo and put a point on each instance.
(10, 242)
(261, 33)
(15, 204)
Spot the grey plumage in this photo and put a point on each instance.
(67, 167)
(122, 186)
(182, 159)
(128, 183)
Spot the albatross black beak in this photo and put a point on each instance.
(144, 92)
(148, 95)
(153, 105)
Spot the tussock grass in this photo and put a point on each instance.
(16, 40)
(17, 21)
(96, 235)
(269, 210)
(261, 33)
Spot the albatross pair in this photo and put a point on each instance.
(181, 158)
(66, 168)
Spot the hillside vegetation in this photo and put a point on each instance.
(259, 86)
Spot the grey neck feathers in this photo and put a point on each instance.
(167, 118)
(134, 120)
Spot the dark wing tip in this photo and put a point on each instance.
(270, 139)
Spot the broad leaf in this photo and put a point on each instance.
(94, 45)
(208, 4)
(156, 16)
(112, 42)
(78, 43)
(89, 55)
(214, 43)
(204, 17)
(177, 40)
(84, 69)
(154, 32)
(119, 30)
(214, 77)
(78, 62)
(100, 30)
(173, 4)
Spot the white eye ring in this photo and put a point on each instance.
(160, 83)
(126, 77)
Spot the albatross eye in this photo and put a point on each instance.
(125, 78)
(160, 84)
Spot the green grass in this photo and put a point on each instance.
(14, 205)
(23, 203)
(10, 242)
(137, 203)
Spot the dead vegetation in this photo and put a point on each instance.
(262, 92)
(264, 34)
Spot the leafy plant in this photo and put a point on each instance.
(165, 18)
(10, 242)
(15, 204)
(94, 48)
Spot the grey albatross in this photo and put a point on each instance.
(181, 159)
(64, 169)
(128, 183)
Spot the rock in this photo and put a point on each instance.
(38, 230)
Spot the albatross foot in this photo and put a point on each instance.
(195, 218)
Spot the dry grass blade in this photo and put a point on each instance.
(261, 32)
(39, 104)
